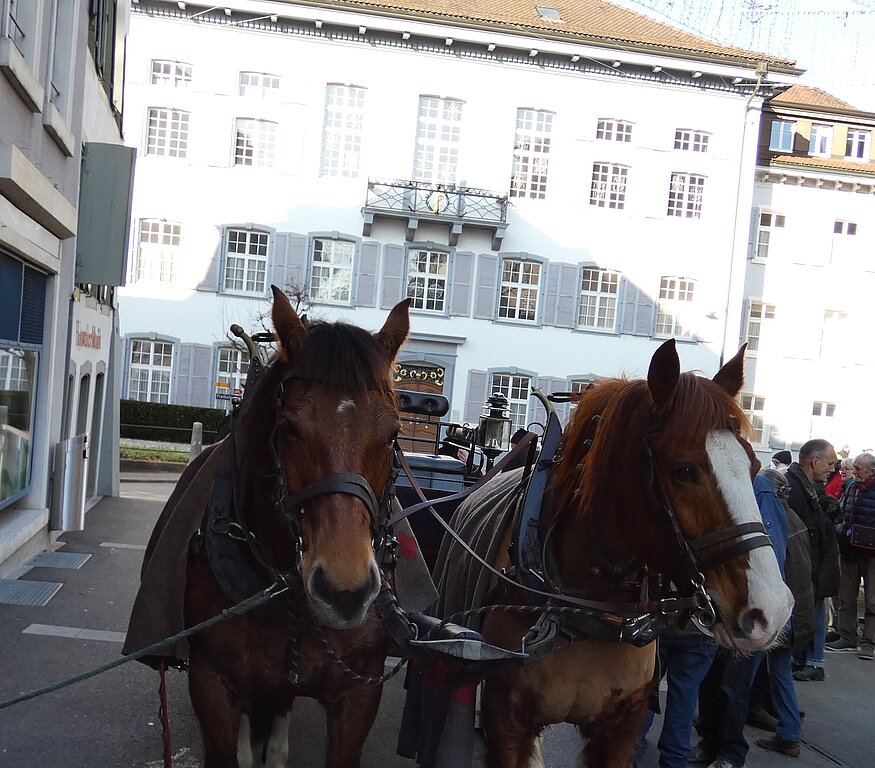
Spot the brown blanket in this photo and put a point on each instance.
(159, 605)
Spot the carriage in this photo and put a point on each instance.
(553, 580)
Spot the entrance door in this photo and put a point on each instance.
(419, 377)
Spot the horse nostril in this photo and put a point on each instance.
(345, 602)
(751, 621)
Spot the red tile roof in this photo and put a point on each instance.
(808, 96)
(591, 21)
(825, 163)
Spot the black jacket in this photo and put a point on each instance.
(821, 533)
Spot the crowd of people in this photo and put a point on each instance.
(819, 512)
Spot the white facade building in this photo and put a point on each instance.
(811, 277)
(65, 182)
(558, 189)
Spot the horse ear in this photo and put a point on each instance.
(663, 375)
(394, 331)
(731, 375)
(289, 329)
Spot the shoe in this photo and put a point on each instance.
(832, 636)
(867, 652)
(789, 748)
(722, 762)
(700, 756)
(759, 718)
(795, 666)
(841, 645)
(807, 674)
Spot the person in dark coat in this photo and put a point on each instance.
(816, 460)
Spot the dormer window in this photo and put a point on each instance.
(857, 146)
(549, 14)
(821, 140)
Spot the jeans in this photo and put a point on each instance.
(723, 700)
(814, 649)
(784, 699)
(684, 661)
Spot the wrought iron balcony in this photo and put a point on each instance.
(455, 206)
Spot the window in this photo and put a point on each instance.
(61, 84)
(690, 140)
(158, 249)
(844, 228)
(518, 294)
(18, 374)
(331, 274)
(549, 14)
(614, 130)
(531, 151)
(757, 313)
(782, 135)
(232, 367)
(608, 186)
(438, 134)
(255, 141)
(753, 407)
(675, 296)
(245, 261)
(857, 145)
(427, 280)
(15, 27)
(258, 84)
(685, 195)
(151, 369)
(769, 222)
(598, 299)
(821, 408)
(173, 73)
(516, 389)
(821, 140)
(578, 387)
(167, 132)
(834, 340)
(342, 130)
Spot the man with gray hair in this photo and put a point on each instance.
(857, 547)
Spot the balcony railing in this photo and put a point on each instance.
(417, 200)
(16, 33)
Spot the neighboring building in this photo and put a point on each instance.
(558, 187)
(65, 182)
(810, 289)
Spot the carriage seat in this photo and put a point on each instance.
(422, 403)
(429, 462)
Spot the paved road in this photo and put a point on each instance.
(112, 720)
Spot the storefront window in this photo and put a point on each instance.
(18, 372)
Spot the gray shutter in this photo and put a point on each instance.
(487, 286)
(638, 310)
(126, 368)
(551, 294)
(393, 276)
(463, 280)
(754, 232)
(210, 280)
(366, 281)
(566, 304)
(194, 375)
(742, 331)
(475, 397)
(548, 385)
(560, 385)
(280, 256)
(296, 262)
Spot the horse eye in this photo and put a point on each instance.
(394, 437)
(289, 432)
(685, 473)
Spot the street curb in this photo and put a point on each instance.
(139, 465)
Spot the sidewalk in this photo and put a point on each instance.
(112, 720)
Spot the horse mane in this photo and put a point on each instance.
(605, 437)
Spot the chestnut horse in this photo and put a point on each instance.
(316, 437)
(682, 434)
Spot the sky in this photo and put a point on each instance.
(833, 40)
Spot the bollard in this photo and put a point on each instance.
(197, 440)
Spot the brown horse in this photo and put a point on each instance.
(317, 436)
(682, 434)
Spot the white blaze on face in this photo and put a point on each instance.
(766, 590)
(344, 406)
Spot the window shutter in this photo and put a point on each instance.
(487, 287)
(393, 276)
(182, 396)
(753, 233)
(476, 395)
(463, 279)
(210, 280)
(126, 369)
(560, 385)
(366, 281)
(280, 257)
(742, 331)
(566, 304)
(200, 382)
(551, 294)
(296, 262)
(638, 310)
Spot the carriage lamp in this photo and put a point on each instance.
(493, 431)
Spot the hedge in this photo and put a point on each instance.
(166, 422)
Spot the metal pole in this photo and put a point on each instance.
(197, 440)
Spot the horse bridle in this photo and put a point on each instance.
(291, 505)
